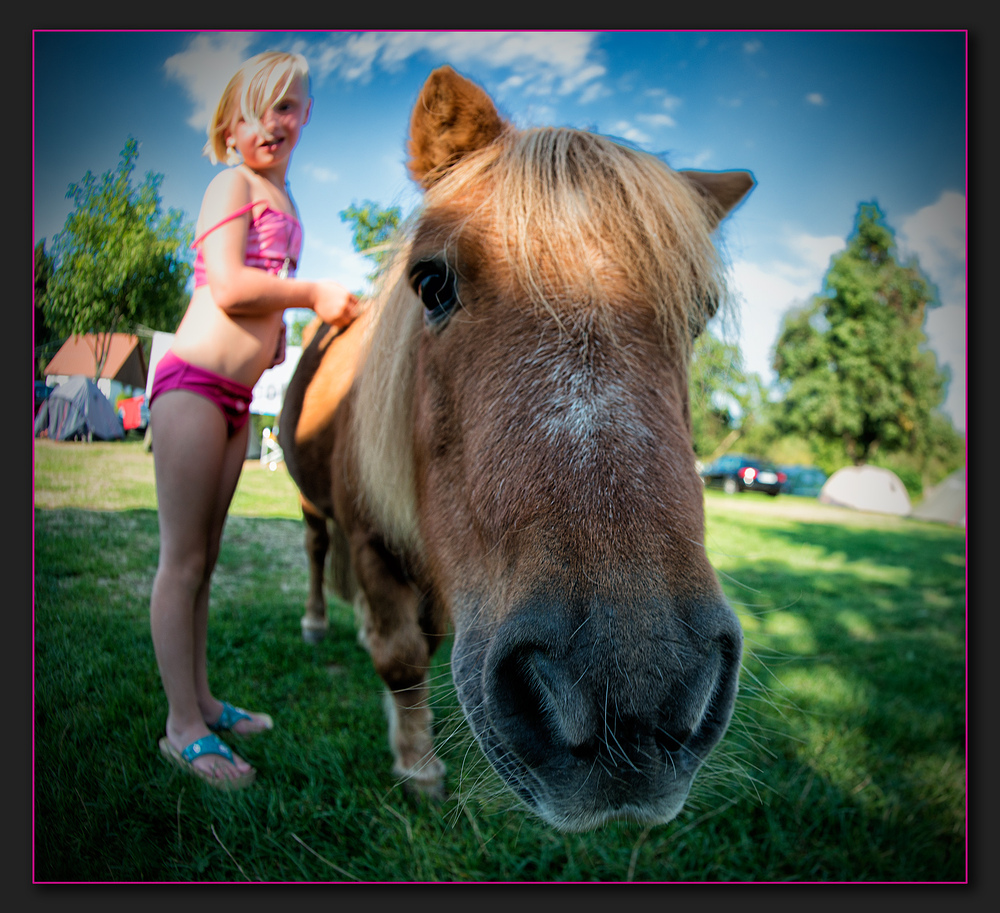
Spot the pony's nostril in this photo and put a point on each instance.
(586, 749)
(671, 740)
(518, 706)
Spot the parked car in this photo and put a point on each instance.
(739, 472)
(42, 393)
(806, 481)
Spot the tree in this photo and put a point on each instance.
(725, 400)
(119, 262)
(852, 363)
(44, 338)
(373, 231)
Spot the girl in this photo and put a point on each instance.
(248, 243)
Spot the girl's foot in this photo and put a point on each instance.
(239, 721)
(205, 755)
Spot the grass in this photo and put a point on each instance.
(845, 761)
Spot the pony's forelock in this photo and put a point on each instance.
(382, 435)
(564, 208)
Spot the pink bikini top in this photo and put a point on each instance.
(274, 242)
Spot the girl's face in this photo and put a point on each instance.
(283, 122)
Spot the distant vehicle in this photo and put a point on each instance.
(806, 481)
(42, 393)
(736, 472)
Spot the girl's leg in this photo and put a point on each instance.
(211, 708)
(193, 461)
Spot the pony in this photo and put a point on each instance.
(500, 447)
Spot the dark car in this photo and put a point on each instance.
(42, 393)
(806, 481)
(738, 472)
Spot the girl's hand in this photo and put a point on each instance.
(335, 305)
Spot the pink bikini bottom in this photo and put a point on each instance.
(173, 373)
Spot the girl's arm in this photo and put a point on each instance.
(241, 290)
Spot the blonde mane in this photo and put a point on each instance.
(576, 218)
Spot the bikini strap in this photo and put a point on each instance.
(239, 212)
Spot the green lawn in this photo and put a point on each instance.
(845, 761)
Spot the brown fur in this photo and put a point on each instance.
(523, 471)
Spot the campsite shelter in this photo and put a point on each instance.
(78, 410)
(945, 502)
(870, 488)
(125, 363)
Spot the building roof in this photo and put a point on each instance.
(125, 362)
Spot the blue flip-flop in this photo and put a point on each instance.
(231, 715)
(199, 748)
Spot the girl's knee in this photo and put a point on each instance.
(188, 572)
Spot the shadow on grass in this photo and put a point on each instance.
(844, 762)
(857, 638)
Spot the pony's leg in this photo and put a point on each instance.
(314, 622)
(401, 653)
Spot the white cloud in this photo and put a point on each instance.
(547, 62)
(814, 253)
(205, 66)
(698, 160)
(766, 291)
(541, 64)
(594, 91)
(814, 98)
(656, 120)
(752, 47)
(667, 101)
(320, 173)
(936, 235)
(625, 130)
(323, 259)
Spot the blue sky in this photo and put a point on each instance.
(824, 120)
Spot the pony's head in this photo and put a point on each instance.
(523, 432)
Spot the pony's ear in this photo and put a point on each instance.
(451, 118)
(724, 188)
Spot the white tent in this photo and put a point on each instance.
(867, 488)
(944, 502)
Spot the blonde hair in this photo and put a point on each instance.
(259, 84)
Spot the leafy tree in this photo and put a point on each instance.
(373, 230)
(852, 363)
(296, 324)
(45, 341)
(725, 400)
(119, 262)
(372, 236)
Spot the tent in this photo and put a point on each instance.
(944, 502)
(125, 362)
(866, 488)
(78, 409)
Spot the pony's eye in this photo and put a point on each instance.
(434, 283)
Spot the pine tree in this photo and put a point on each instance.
(853, 364)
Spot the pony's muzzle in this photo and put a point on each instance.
(609, 724)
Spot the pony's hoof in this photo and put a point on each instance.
(432, 790)
(425, 779)
(313, 632)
